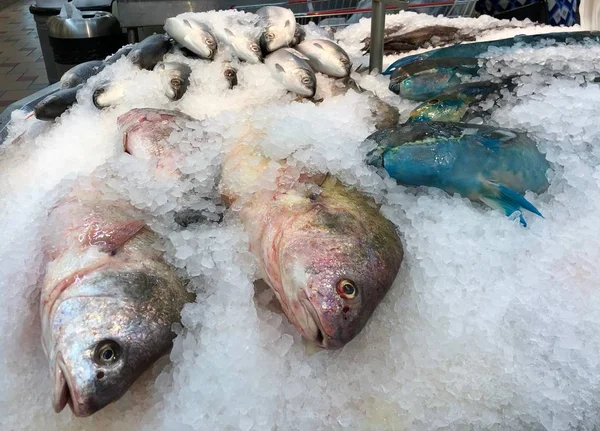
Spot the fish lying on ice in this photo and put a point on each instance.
(108, 300)
(326, 57)
(461, 103)
(280, 28)
(424, 37)
(147, 53)
(425, 79)
(242, 36)
(326, 251)
(193, 35)
(290, 68)
(81, 73)
(472, 50)
(175, 78)
(491, 165)
(56, 104)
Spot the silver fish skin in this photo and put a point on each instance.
(108, 300)
(81, 73)
(56, 104)
(147, 53)
(280, 28)
(193, 35)
(290, 68)
(175, 78)
(326, 57)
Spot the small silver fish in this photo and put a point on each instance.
(81, 73)
(55, 104)
(326, 57)
(280, 27)
(290, 68)
(193, 35)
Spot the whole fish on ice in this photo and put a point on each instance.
(81, 73)
(108, 300)
(473, 50)
(462, 102)
(193, 35)
(280, 28)
(492, 165)
(324, 248)
(425, 79)
(291, 68)
(326, 57)
(242, 36)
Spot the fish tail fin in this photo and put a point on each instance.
(506, 199)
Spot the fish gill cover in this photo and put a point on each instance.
(488, 326)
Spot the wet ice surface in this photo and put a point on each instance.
(489, 326)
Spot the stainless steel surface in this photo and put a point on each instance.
(377, 29)
(26, 105)
(93, 24)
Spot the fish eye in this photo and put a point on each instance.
(347, 289)
(254, 47)
(433, 101)
(229, 73)
(269, 36)
(306, 80)
(107, 352)
(210, 42)
(344, 60)
(176, 82)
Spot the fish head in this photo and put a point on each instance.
(300, 80)
(249, 50)
(426, 85)
(440, 108)
(175, 78)
(272, 39)
(299, 36)
(106, 331)
(335, 270)
(108, 94)
(54, 105)
(230, 74)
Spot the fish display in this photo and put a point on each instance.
(425, 79)
(108, 300)
(472, 50)
(494, 166)
(123, 52)
(291, 68)
(424, 37)
(280, 28)
(460, 103)
(56, 104)
(193, 35)
(326, 252)
(326, 57)
(108, 93)
(175, 78)
(81, 73)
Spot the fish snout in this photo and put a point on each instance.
(65, 393)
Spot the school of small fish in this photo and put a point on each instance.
(108, 298)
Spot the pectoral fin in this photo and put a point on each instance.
(507, 200)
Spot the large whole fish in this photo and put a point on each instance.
(108, 300)
(472, 50)
(425, 79)
(327, 252)
(280, 28)
(326, 57)
(291, 68)
(193, 35)
(491, 165)
(461, 103)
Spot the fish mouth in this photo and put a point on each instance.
(64, 392)
(313, 332)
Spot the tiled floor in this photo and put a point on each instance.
(22, 69)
